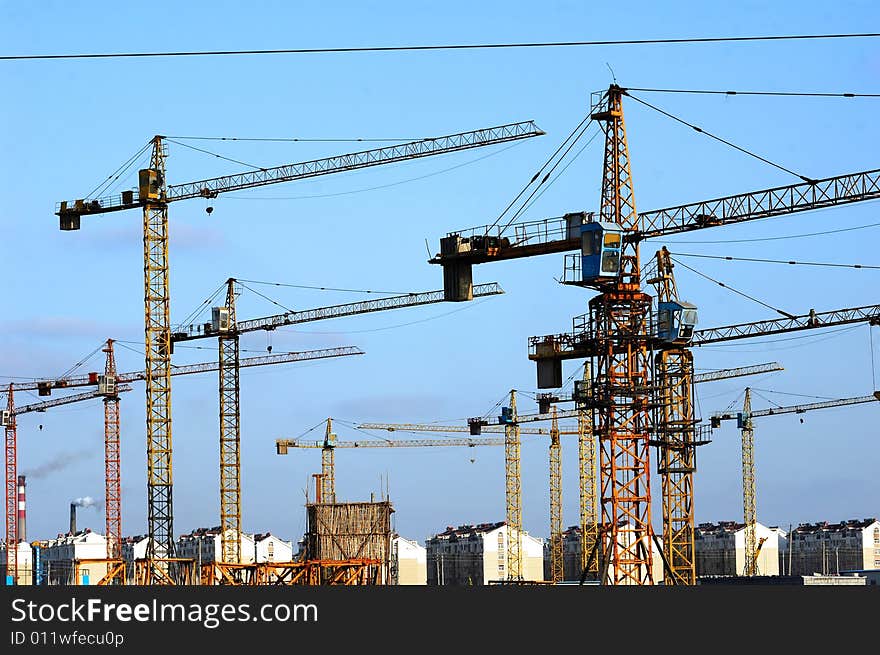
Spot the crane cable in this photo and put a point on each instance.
(73, 368)
(317, 288)
(214, 154)
(762, 93)
(118, 172)
(724, 141)
(745, 295)
(526, 203)
(776, 261)
(296, 139)
(540, 170)
(544, 185)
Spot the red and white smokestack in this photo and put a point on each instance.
(22, 510)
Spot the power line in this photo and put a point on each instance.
(464, 46)
(776, 261)
(800, 94)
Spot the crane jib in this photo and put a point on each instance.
(70, 210)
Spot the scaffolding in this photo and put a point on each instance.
(353, 532)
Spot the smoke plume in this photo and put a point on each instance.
(58, 463)
(85, 501)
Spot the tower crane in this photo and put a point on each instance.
(108, 387)
(153, 197)
(226, 328)
(747, 428)
(617, 333)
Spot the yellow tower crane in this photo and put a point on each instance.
(226, 328)
(749, 490)
(153, 197)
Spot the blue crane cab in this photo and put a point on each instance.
(676, 321)
(601, 244)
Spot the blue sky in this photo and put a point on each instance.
(68, 124)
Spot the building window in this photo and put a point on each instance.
(876, 536)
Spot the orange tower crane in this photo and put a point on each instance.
(9, 422)
(109, 386)
(618, 332)
(153, 198)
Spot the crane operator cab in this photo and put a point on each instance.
(601, 244)
(676, 321)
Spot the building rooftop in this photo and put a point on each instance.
(463, 531)
(825, 526)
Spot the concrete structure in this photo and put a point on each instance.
(24, 565)
(719, 549)
(133, 548)
(835, 547)
(477, 555)
(408, 562)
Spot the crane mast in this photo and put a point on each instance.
(112, 463)
(11, 490)
(750, 498)
(674, 423)
(557, 566)
(230, 435)
(157, 346)
(513, 492)
(619, 324)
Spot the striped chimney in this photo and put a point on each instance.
(22, 511)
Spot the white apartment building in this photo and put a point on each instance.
(23, 565)
(205, 546)
(720, 548)
(477, 555)
(65, 559)
(830, 548)
(408, 562)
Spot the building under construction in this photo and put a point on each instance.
(351, 532)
